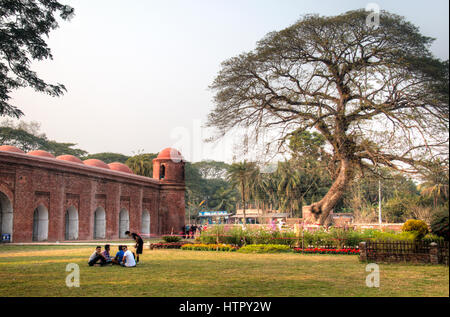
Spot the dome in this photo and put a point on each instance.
(69, 158)
(10, 148)
(96, 163)
(41, 154)
(170, 154)
(119, 167)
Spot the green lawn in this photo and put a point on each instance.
(40, 271)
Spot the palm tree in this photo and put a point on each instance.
(241, 175)
(142, 164)
(436, 182)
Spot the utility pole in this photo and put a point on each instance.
(379, 203)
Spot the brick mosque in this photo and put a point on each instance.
(47, 198)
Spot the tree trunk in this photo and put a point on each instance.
(321, 209)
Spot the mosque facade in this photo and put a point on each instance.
(47, 198)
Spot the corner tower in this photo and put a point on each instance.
(168, 168)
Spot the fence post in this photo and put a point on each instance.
(434, 258)
(362, 252)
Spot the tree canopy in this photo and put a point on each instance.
(23, 28)
(27, 137)
(376, 95)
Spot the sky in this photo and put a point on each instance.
(137, 72)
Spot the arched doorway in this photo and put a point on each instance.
(6, 216)
(124, 223)
(145, 222)
(71, 232)
(40, 224)
(99, 223)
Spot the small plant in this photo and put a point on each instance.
(170, 239)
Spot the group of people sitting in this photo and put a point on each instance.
(124, 257)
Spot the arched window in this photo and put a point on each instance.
(40, 224)
(71, 232)
(124, 223)
(145, 222)
(162, 172)
(99, 223)
(6, 216)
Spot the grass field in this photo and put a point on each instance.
(40, 271)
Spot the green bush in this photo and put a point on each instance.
(265, 248)
(405, 236)
(170, 239)
(439, 223)
(418, 226)
(209, 247)
(432, 238)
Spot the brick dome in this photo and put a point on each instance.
(96, 163)
(41, 154)
(119, 167)
(10, 148)
(69, 158)
(170, 154)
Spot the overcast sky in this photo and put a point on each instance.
(137, 72)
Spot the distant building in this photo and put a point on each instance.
(214, 217)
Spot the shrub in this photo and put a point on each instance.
(406, 236)
(170, 239)
(209, 247)
(418, 226)
(432, 238)
(327, 251)
(170, 245)
(439, 223)
(264, 248)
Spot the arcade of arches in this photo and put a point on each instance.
(43, 198)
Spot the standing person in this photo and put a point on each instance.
(97, 257)
(139, 243)
(128, 258)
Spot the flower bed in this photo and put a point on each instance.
(168, 245)
(327, 251)
(209, 247)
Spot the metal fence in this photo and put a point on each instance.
(402, 251)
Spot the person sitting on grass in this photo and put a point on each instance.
(139, 243)
(128, 258)
(119, 256)
(97, 257)
(106, 254)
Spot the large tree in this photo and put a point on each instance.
(23, 28)
(376, 94)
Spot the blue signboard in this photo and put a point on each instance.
(213, 213)
(6, 237)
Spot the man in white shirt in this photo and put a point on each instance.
(128, 258)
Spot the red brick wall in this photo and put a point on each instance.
(32, 181)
